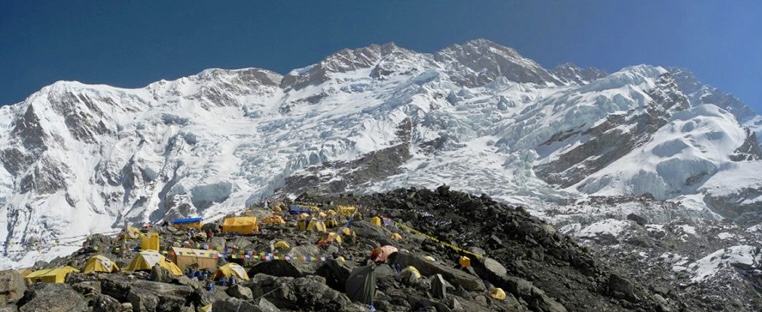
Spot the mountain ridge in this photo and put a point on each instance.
(222, 140)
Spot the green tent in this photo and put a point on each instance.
(361, 284)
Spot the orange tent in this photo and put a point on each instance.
(380, 254)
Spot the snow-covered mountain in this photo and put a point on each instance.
(81, 159)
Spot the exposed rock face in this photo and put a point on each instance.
(52, 298)
(571, 73)
(487, 61)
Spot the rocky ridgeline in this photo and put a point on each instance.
(539, 268)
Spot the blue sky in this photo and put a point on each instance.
(133, 43)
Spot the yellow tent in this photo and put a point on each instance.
(410, 270)
(348, 232)
(375, 221)
(57, 275)
(273, 220)
(100, 263)
(396, 236)
(206, 308)
(277, 208)
(145, 260)
(333, 236)
(430, 258)
(240, 225)
(149, 241)
(231, 269)
(331, 223)
(346, 211)
(497, 293)
(304, 216)
(317, 226)
(131, 233)
(282, 245)
(464, 261)
(331, 212)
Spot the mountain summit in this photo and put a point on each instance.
(79, 159)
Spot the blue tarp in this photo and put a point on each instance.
(186, 221)
(296, 209)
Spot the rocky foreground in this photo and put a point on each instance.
(539, 268)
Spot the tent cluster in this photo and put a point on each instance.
(365, 245)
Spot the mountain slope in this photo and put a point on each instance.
(81, 159)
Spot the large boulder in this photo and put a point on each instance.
(12, 286)
(304, 293)
(306, 267)
(238, 305)
(52, 298)
(367, 230)
(161, 274)
(142, 300)
(429, 268)
(239, 291)
(276, 268)
(620, 287)
(116, 286)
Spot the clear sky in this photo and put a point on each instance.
(133, 43)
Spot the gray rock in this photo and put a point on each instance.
(478, 251)
(88, 288)
(163, 289)
(126, 306)
(619, 287)
(238, 243)
(142, 300)
(52, 298)
(240, 292)
(161, 274)
(12, 286)
(105, 303)
(218, 242)
(213, 227)
(638, 219)
(304, 267)
(455, 305)
(238, 305)
(201, 297)
(9, 308)
(537, 299)
(663, 303)
(116, 286)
